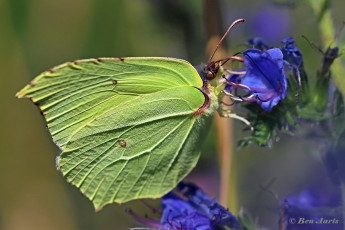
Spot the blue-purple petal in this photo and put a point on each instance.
(178, 213)
(197, 211)
(265, 76)
(292, 55)
(257, 43)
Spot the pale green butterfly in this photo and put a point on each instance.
(128, 128)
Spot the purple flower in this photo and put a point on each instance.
(292, 55)
(264, 79)
(191, 208)
(199, 210)
(179, 214)
(270, 22)
(317, 207)
(257, 43)
(314, 197)
(334, 161)
(265, 76)
(208, 206)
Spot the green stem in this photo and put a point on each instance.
(228, 189)
(322, 10)
(327, 32)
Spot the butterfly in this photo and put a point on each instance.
(128, 128)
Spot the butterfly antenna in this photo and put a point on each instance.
(233, 57)
(226, 33)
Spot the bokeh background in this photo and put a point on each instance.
(38, 34)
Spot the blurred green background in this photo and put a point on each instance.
(38, 34)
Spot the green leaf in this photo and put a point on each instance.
(126, 126)
(268, 125)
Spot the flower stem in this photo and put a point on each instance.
(228, 188)
(328, 36)
(327, 32)
(228, 194)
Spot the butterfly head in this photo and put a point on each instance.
(212, 70)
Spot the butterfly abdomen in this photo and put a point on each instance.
(203, 107)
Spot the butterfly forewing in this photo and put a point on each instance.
(72, 94)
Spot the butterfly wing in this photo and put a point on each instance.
(126, 127)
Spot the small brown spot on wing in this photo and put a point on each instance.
(122, 143)
(121, 59)
(114, 82)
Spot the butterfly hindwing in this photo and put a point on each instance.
(141, 155)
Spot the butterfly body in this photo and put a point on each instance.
(128, 128)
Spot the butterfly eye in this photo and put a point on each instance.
(210, 75)
(212, 70)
